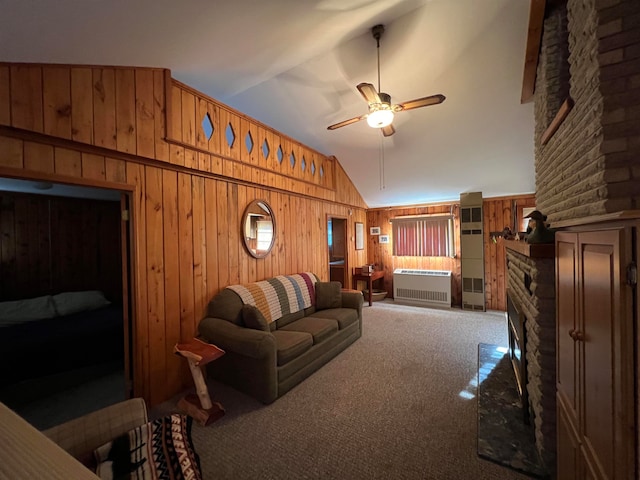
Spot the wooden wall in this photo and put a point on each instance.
(124, 128)
(382, 254)
(50, 245)
(497, 214)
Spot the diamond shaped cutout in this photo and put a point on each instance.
(207, 126)
(265, 148)
(230, 135)
(303, 164)
(313, 168)
(248, 142)
(280, 154)
(292, 160)
(321, 171)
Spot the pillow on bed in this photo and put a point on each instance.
(73, 302)
(27, 310)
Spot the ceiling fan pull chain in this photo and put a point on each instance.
(381, 164)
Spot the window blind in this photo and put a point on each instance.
(423, 236)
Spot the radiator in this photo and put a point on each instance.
(422, 287)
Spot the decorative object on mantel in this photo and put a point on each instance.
(541, 233)
(506, 233)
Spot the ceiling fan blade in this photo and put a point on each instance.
(388, 130)
(346, 122)
(422, 102)
(369, 92)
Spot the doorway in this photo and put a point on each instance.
(337, 247)
(65, 243)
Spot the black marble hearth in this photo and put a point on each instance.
(503, 436)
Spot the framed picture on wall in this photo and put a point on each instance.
(384, 238)
(374, 230)
(359, 236)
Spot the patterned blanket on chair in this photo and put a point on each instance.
(278, 296)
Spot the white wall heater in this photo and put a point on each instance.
(422, 287)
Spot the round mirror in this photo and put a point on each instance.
(258, 228)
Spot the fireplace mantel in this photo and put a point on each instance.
(535, 250)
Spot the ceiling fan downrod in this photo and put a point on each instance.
(377, 32)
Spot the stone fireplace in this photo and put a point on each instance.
(531, 290)
(587, 163)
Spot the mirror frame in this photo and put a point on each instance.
(254, 205)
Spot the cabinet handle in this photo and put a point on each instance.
(576, 335)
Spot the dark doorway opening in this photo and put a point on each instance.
(338, 252)
(69, 252)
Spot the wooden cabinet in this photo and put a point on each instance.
(595, 354)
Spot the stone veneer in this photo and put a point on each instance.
(536, 301)
(591, 165)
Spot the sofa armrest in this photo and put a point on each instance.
(27, 454)
(231, 337)
(353, 300)
(84, 434)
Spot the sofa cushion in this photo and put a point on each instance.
(279, 296)
(319, 328)
(344, 316)
(328, 295)
(290, 345)
(253, 318)
(226, 305)
(288, 318)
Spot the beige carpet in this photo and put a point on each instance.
(397, 404)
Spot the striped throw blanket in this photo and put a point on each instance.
(278, 296)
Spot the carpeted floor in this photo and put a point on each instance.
(397, 404)
(503, 437)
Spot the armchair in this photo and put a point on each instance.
(57, 453)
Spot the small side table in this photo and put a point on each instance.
(369, 278)
(200, 406)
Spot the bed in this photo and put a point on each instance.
(57, 333)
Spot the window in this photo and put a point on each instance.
(264, 235)
(423, 236)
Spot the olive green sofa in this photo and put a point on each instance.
(279, 331)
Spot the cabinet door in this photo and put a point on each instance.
(605, 352)
(567, 322)
(569, 455)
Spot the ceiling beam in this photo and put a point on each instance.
(532, 52)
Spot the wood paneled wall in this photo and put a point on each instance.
(382, 254)
(50, 245)
(497, 212)
(107, 127)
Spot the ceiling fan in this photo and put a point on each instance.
(381, 110)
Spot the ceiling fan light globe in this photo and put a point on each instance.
(380, 116)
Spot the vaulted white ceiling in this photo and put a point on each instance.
(294, 65)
